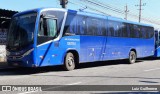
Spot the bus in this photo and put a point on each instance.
(157, 43)
(54, 36)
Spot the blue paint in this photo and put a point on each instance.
(89, 35)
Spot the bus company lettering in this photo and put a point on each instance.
(71, 43)
(69, 39)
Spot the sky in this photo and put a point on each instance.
(149, 11)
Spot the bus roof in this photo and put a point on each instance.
(85, 14)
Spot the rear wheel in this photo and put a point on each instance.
(69, 63)
(132, 57)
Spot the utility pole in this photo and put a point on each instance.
(140, 9)
(63, 3)
(126, 11)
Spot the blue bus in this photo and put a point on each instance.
(53, 36)
(157, 43)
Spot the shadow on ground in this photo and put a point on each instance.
(27, 71)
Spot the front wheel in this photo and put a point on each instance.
(132, 57)
(69, 63)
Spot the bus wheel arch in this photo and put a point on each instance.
(71, 60)
(132, 56)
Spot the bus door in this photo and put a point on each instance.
(157, 43)
(47, 32)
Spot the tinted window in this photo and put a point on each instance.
(92, 26)
(82, 25)
(124, 30)
(70, 25)
(131, 30)
(114, 29)
(110, 28)
(59, 15)
(150, 32)
(76, 25)
(137, 31)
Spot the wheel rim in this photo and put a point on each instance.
(70, 61)
(132, 57)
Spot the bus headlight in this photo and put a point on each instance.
(28, 52)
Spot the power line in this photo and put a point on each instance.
(99, 4)
(101, 8)
(88, 7)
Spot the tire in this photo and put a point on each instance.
(132, 57)
(69, 63)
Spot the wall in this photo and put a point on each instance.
(3, 34)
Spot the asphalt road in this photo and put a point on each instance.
(143, 72)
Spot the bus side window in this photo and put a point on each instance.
(140, 32)
(51, 27)
(144, 32)
(73, 27)
(137, 31)
(117, 29)
(48, 27)
(70, 25)
(150, 31)
(101, 28)
(131, 29)
(82, 25)
(120, 32)
(92, 28)
(41, 29)
(124, 30)
(110, 28)
(104, 28)
(47, 30)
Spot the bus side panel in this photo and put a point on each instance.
(149, 47)
(119, 48)
(111, 48)
(54, 53)
(45, 55)
(92, 48)
(115, 48)
(69, 43)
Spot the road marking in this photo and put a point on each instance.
(51, 88)
(152, 69)
(75, 83)
(28, 92)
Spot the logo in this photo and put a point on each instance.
(6, 88)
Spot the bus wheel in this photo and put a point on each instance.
(69, 63)
(132, 57)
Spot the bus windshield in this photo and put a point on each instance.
(21, 31)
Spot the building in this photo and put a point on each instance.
(5, 17)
